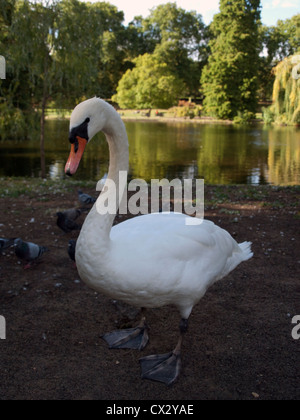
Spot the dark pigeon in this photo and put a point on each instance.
(71, 249)
(28, 251)
(66, 220)
(85, 198)
(72, 214)
(6, 243)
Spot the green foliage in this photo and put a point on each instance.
(286, 92)
(150, 84)
(278, 41)
(268, 115)
(181, 42)
(243, 118)
(89, 53)
(63, 51)
(12, 122)
(66, 50)
(191, 111)
(229, 81)
(282, 40)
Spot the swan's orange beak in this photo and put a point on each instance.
(76, 153)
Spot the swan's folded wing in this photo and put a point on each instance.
(171, 230)
(164, 240)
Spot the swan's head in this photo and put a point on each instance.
(87, 119)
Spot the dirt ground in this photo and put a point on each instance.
(239, 344)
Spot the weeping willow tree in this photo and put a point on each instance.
(286, 91)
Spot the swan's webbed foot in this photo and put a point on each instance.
(165, 367)
(131, 338)
(161, 367)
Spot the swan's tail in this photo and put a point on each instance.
(246, 250)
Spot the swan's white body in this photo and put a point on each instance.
(156, 260)
(153, 260)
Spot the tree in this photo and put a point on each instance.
(32, 46)
(90, 49)
(12, 119)
(277, 42)
(282, 40)
(138, 40)
(229, 80)
(286, 91)
(179, 39)
(52, 57)
(150, 84)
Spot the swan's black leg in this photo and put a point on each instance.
(165, 367)
(131, 338)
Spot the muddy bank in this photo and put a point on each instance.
(239, 344)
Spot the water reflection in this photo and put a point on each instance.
(284, 157)
(218, 153)
(56, 169)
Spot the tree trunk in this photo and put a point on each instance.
(42, 139)
(42, 128)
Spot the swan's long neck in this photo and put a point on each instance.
(112, 192)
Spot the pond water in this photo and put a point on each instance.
(221, 154)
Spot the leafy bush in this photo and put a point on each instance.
(150, 84)
(188, 111)
(243, 118)
(16, 124)
(12, 122)
(268, 115)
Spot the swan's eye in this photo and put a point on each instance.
(79, 131)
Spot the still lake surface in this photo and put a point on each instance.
(221, 154)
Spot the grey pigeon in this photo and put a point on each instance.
(66, 220)
(85, 198)
(28, 251)
(6, 243)
(72, 248)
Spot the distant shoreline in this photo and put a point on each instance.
(198, 120)
(163, 117)
(204, 120)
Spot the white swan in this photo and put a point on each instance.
(148, 261)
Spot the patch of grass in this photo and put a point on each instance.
(39, 188)
(220, 195)
(252, 193)
(56, 113)
(230, 212)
